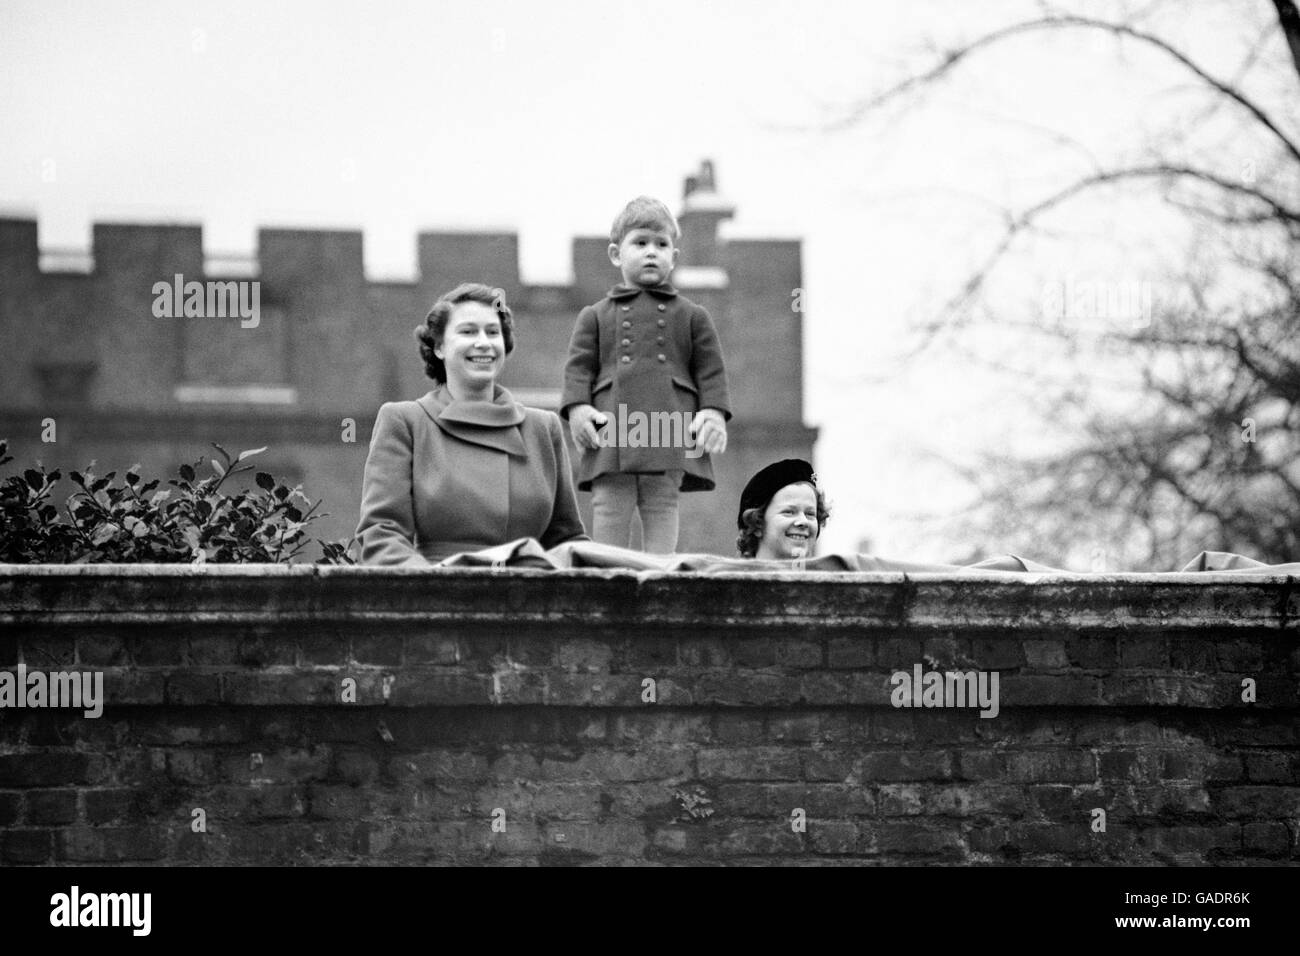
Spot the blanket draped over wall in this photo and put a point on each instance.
(529, 553)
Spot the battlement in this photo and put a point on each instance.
(127, 251)
(444, 258)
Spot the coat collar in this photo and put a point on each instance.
(663, 290)
(493, 424)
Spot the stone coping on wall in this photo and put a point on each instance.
(164, 593)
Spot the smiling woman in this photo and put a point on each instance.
(782, 512)
(466, 467)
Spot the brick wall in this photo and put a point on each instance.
(517, 696)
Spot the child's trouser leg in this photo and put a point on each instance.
(613, 502)
(657, 502)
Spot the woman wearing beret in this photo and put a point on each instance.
(466, 467)
(782, 512)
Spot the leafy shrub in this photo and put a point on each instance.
(130, 521)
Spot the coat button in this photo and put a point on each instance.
(661, 340)
(662, 307)
(629, 341)
(663, 323)
(662, 357)
(626, 359)
(627, 324)
(627, 308)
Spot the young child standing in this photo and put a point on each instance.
(644, 350)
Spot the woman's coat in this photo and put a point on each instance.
(445, 476)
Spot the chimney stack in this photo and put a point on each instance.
(702, 210)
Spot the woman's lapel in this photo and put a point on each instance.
(493, 424)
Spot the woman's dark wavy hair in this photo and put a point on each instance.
(748, 539)
(430, 334)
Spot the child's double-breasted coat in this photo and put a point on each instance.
(651, 351)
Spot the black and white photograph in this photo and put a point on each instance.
(678, 436)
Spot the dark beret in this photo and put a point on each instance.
(768, 481)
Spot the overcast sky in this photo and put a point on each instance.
(544, 119)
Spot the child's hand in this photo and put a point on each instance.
(710, 431)
(584, 422)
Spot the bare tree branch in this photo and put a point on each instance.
(954, 57)
(1176, 471)
(1288, 16)
(1027, 219)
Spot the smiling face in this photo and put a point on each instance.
(473, 350)
(789, 524)
(646, 256)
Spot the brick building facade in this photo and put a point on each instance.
(82, 345)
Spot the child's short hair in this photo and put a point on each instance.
(643, 212)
